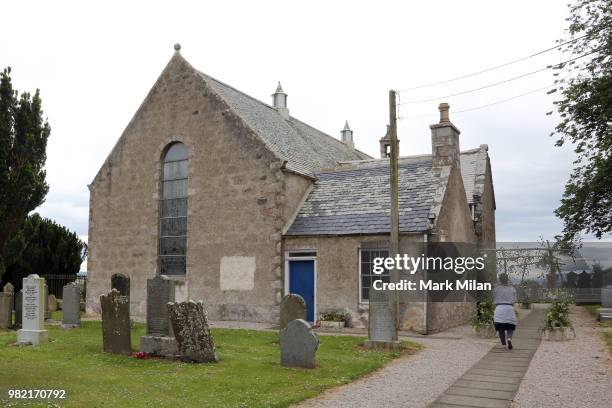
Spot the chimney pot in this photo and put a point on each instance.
(444, 116)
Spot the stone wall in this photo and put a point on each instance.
(338, 275)
(454, 225)
(237, 205)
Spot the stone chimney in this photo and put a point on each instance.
(385, 145)
(346, 135)
(444, 140)
(279, 101)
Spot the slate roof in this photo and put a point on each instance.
(354, 198)
(306, 149)
(473, 168)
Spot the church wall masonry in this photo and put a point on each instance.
(238, 203)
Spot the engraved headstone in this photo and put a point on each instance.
(159, 339)
(18, 308)
(292, 307)
(160, 291)
(190, 326)
(121, 282)
(71, 306)
(382, 332)
(116, 335)
(33, 311)
(8, 288)
(298, 344)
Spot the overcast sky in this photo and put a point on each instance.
(95, 63)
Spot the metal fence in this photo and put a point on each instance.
(56, 283)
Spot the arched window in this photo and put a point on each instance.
(173, 211)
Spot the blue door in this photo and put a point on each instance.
(301, 282)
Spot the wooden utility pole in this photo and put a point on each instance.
(394, 179)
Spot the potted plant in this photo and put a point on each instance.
(334, 320)
(557, 323)
(482, 322)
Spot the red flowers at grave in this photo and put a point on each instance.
(141, 355)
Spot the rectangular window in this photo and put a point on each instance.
(366, 272)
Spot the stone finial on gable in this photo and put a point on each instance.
(346, 135)
(279, 101)
(177, 47)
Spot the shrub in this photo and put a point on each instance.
(336, 317)
(484, 314)
(557, 316)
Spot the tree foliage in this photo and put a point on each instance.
(23, 144)
(585, 108)
(42, 246)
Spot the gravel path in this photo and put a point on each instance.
(575, 373)
(411, 381)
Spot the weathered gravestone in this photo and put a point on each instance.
(33, 312)
(298, 344)
(6, 306)
(159, 339)
(116, 336)
(18, 308)
(46, 303)
(121, 282)
(71, 306)
(382, 333)
(190, 326)
(292, 307)
(52, 303)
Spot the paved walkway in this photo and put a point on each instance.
(493, 381)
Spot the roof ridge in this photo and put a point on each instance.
(340, 142)
(237, 90)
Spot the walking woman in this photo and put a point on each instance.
(504, 297)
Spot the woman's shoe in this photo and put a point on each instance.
(509, 344)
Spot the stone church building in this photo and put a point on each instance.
(240, 203)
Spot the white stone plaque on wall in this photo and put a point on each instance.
(237, 273)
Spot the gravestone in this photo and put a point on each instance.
(71, 306)
(190, 326)
(18, 308)
(6, 307)
(298, 344)
(46, 303)
(292, 307)
(33, 312)
(159, 339)
(51, 303)
(382, 332)
(121, 282)
(116, 335)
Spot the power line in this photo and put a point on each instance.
(482, 106)
(497, 66)
(500, 82)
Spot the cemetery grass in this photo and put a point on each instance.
(247, 375)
